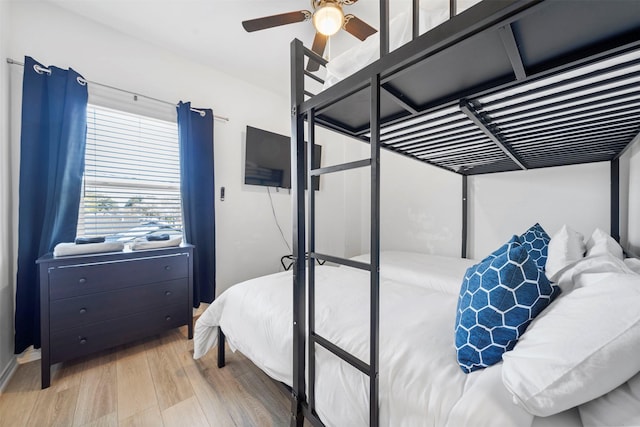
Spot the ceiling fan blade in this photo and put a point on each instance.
(357, 27)
(276, 20)
(319, 43)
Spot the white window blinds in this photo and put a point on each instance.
(132, 176)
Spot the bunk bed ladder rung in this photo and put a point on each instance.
(315, 57)
(341, 167)
(347, 357)
(341, 261)
(313, 76)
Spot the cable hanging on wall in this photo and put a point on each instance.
(275, 217)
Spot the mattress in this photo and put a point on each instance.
(421, 383)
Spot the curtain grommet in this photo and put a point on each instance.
(41, 70)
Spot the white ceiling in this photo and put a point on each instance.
(210, 31)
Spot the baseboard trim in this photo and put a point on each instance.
(8, 372)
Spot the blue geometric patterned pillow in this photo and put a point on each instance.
(536, 242)
(498, 299)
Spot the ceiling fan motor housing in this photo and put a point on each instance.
(328, 17)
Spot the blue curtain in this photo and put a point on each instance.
(195, 130)
(52, 145)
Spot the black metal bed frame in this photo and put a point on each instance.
(559, 85)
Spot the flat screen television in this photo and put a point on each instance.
(268, 159)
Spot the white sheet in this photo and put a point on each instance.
(368, 51)
(421, 383)
(435, 272)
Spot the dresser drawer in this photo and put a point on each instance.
(73, 280)
(93, 337)
(73, 312)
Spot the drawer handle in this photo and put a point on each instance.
(167, 293)
(167, 318)
(83, 340)
(83, 310)
(82, 280)
(167, 267)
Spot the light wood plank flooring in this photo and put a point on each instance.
(151, 383)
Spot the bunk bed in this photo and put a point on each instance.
(504, 86)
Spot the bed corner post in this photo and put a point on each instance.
(298, 224)
(384, 27)
(465, 221)
(415, 21)
(615, 199)
(374, 310)
(221, 344)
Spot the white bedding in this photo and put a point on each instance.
(421, 383)
(440, 273)
(363, 54)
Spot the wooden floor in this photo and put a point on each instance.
(152, 383)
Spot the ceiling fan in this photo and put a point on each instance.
(327, 18)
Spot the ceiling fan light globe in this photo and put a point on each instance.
(328, 19)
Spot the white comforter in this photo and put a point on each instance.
(421, 383)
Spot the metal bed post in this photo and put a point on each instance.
(416, 19)
(311, 205)
(465, 196)
(221, 349)
(374, 313)
(298, 225)
(384, 27)
(615, 199)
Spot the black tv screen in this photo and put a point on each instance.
(268, 159)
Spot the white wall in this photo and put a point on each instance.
(421, 207)
(505, 204)
(6, 221)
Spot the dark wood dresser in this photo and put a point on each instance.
(92, 302)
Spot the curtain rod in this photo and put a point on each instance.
(135, 95)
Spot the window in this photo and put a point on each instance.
(132, 176)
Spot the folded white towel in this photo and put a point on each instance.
(142, 243)
(66, 249)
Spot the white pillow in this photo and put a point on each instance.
(590, 270)
(633, 264)
(565, 248)
(601, 243)
(582, 346)
(620, 407)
